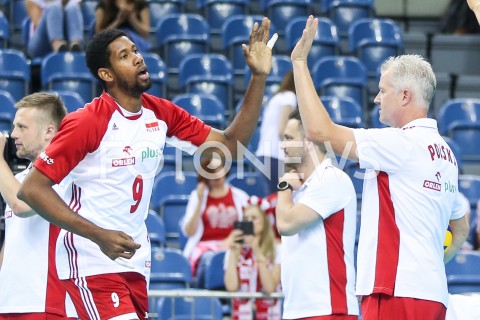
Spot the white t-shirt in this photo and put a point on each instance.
(28, 273)
(406, 209)
(112, 157)
(318, 275)
(269, 140)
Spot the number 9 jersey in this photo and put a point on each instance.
(111, 157)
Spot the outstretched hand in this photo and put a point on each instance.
(302, 48)
(117, 244)
(257, 54)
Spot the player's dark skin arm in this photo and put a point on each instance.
(37, 191)
(259, 58)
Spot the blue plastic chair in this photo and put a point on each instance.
(5, 122)
(281, 64)
(344, 111)
(281, 12)
(207, 73)
(345, 12)
(160, 8)
(170, 270)
(204, 106)
(214, 273)
(14, 73)
(217, 11)
(463, 273)
(4, 31)
(373, 41)
(467, 136)
(72, 100)
(469, 185)
(158, 74)
(68, 71)
(235, 31)
(179, 35)
(189, 308)
(7, 104)
(249, 182)
(325, 43)
(455, 110)
(156, 229)
(341, 76)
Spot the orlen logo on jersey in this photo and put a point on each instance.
(46, 158)
(432, 185)
(152, 125)
(122, 162)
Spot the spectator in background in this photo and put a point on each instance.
(55, 25)
(474, 5)
(212, 209)
(131, 16)
(29, 285)
(252, 264)
(410, 192)
(458, 19)
(274, 119)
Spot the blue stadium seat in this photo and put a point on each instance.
(179, 35)
(18, 13)
(182, 308)
(454, 110)
(156, 229)
(207, 73)
(6, 120)
(7, 103)
(467, 136)
(160, 8)
(204, 106)
(373, 41)
(469, 185)
(344, 111)
(71, 99)
(217, 11)
(249, 182)
(68, 71)
(235, 31)
(325, 43)
(345, 12)
(281, 64)
(214, 273)
(4, 31)
(341, 76)
(170, 270)
(158, 74)
(14, 73)
(463, 273)
(281, 12)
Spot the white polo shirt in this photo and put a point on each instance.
(410, 193)
(318, 275)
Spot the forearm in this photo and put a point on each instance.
(142, 27)
(245, 122)
(315, 118)
(460, 230)
(283, 210)
(231, 274)
(9, 187)
(267, 276)
(192, 224)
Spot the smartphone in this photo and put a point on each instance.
(245, 226)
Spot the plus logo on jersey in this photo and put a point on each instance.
(152, 125)
(127, 161)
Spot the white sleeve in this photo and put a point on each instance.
(460, 206)
(382, 149)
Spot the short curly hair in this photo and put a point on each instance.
(98, 53)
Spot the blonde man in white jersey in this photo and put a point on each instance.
(316, 216)
(410, 192)
(29, 286)
(111, 150)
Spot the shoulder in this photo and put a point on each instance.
(239, 193)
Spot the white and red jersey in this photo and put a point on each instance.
(318, 274)
(112, 157)
(410, 193)
(28, 279)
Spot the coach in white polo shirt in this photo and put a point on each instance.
(410, 194)
(316, 216)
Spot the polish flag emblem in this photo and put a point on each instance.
(151, 123)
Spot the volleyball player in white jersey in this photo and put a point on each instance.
(316, 216)
(112, 149)
(410, 192)
(29, 286)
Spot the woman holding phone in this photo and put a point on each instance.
(212, 209)
(252, 264)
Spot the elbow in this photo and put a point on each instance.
(315, 134)
(285, 229)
